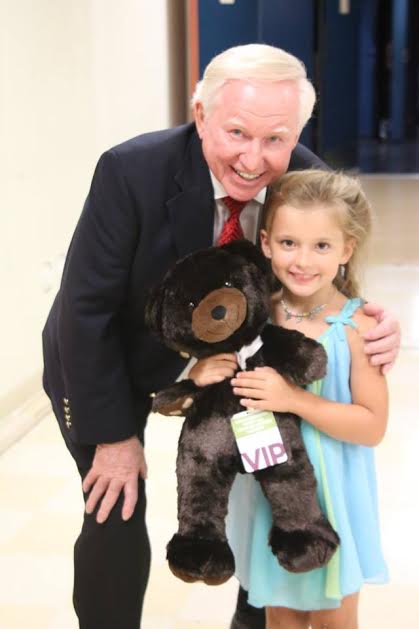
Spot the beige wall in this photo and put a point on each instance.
(76, 77)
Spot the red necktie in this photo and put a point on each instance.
(232, 230)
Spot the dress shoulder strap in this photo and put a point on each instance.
(344, 317)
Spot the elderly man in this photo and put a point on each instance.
(154, 199)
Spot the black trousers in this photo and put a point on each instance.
(111, 562)
(246, 616)
(111, 568)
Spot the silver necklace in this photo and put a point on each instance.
(299, 316)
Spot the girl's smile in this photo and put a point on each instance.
(301, 278)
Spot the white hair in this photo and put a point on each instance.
(257, 62)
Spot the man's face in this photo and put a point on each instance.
(249, 133)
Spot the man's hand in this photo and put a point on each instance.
(382, 342)
(213, 369)
(115, 468)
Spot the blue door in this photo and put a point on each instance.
(338, 45)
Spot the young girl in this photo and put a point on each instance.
(317, 224)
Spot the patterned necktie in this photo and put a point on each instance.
(232, 230)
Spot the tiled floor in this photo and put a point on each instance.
(40, 499)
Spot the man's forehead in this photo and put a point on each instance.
(247, 88)
(275, 126)
(259, 83)
(262, 99)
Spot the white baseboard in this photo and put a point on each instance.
(22, 419)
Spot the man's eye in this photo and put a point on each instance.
(236, 132)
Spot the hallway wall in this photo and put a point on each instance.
(76, 77)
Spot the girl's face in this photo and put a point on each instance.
(306, 246)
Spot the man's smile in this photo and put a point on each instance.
(247, 176)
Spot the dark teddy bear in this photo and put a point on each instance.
(214, 301)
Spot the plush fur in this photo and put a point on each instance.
(213, 301)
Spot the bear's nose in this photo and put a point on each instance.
(219, 312)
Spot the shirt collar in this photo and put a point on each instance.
(219, 191)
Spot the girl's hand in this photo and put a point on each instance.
(382, 343)
(213, 369)
(265, 389)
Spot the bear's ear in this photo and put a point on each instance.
(154, 308)
(250, 252)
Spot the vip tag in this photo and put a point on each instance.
(258, 439)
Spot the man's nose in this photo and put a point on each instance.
(252, 157)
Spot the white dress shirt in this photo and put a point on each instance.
(249, 217)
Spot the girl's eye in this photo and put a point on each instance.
(323, 246)
(288, 244)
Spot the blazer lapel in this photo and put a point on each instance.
(191, 212)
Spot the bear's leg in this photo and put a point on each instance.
(301, 536)
(206, 468)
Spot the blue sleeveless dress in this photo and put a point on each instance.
(347, 494)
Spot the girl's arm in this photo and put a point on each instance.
(362, 422)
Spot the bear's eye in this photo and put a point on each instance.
(191, 305)
(228, 284)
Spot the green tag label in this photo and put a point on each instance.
(249, 422)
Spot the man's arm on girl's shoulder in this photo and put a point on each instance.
(368, 384)
(382, 339)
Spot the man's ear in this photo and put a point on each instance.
(199, 116)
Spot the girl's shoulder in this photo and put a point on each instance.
(352, 309)
(355, 321)
(355, 338)
(363, 322)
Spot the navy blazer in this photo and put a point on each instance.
(150, 203)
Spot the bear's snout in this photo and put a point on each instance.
(219, 314)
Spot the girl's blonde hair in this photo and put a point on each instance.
(302, 189)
